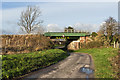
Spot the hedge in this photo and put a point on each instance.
(19, 64)
(13, 44)
(92, 44)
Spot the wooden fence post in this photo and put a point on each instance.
(117, 45)
(25, 42)
(9, 41)
(114, 44)
(6, 42)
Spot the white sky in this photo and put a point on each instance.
(56, 16)
(59, 0)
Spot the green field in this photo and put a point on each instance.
(19, 64)
(0, 67)
(101, 58)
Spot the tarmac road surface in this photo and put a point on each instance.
(67, 68)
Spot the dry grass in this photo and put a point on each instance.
(116, 64)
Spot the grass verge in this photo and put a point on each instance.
(19, 64)
(102, 57)
(0, 67)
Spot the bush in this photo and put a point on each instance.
(19, 64)
(92, 44)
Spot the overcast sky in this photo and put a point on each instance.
(57, 15)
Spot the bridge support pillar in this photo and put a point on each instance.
(74, 45)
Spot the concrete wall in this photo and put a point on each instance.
(75, 45)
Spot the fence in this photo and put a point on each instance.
(116, 45)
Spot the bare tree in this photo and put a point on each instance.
(109, 28)
(29, 19)
(38, 30)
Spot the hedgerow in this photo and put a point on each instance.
(15, 44)
(19, 64)
(92, 44)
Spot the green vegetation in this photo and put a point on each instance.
(58, 45)
(0, 67)
(94, 34)
(101, 57)
(92, 44)
(19, 64)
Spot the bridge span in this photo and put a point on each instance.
(73, 40)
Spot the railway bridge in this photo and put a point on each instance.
(73, 40)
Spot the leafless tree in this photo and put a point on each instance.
(29, 19)
(109, 28)
(38, 30)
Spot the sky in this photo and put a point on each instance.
(86, 16)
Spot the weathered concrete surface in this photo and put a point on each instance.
(68, 68)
